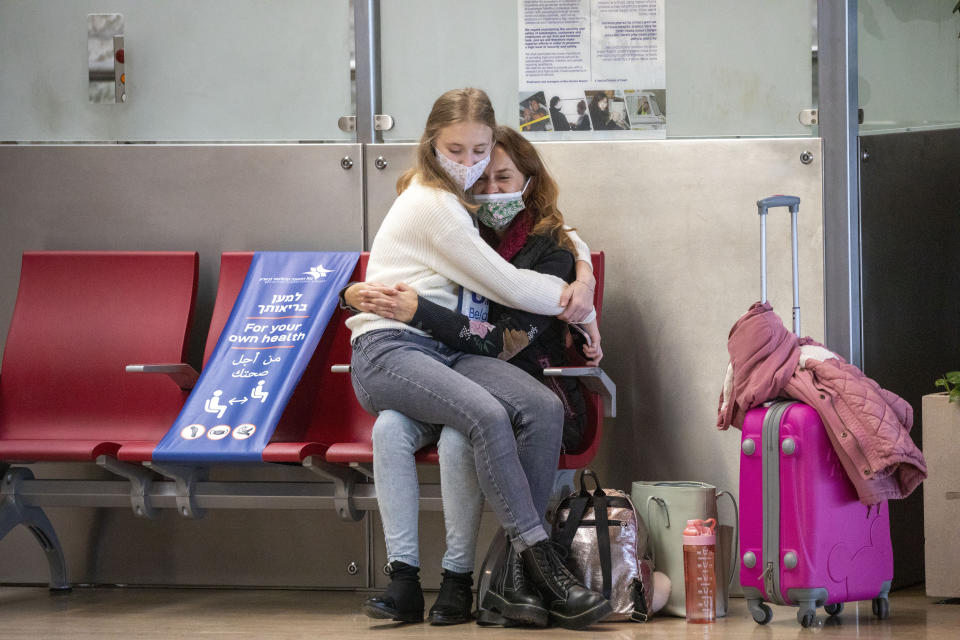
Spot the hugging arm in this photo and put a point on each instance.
(462, 256)
(577, 298)
(513, 331)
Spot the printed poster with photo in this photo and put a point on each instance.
(592, 69)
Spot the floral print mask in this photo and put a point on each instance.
(497, 210)
(464, 176)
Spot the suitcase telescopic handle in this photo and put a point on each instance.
(763, 206)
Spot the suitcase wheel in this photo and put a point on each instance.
(762, 614)
(806, 617)
(881, 608)
(833, 609)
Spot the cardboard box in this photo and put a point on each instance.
(941, 495)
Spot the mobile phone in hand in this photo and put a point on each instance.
(582, 332)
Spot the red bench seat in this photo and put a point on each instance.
(79, 318)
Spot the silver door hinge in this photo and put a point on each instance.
(381, 122)
(808, 117)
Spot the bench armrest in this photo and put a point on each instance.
(594, 379)
(182, 374)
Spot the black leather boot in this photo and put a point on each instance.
(512, 596)
(571, 605)
(402, 600)
(454, 605)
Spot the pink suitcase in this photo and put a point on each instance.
(805, 538)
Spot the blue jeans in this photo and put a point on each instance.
(396, 438)
(483, 398)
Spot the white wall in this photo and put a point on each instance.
(196, 71)
(734, 67)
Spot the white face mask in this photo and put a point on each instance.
(464, 176)
(497, 210)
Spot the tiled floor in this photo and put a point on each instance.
(29, 612)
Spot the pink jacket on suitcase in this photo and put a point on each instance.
(868, 426)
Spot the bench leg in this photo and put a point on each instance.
(343, 479)
(187, 478)
(141, 479)
(13, 512)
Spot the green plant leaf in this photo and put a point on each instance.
(955, 395)
(941, 382)
(953, 377)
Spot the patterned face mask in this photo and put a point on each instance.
(497, 210)
(464, 176)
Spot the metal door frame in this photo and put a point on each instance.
(838, 87)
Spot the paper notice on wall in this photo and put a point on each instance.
(594, 66)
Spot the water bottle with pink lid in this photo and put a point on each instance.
(699, 553)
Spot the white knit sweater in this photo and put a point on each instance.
(429, 241)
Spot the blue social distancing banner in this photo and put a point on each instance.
(280, 314)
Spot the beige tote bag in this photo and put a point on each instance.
(665, 508)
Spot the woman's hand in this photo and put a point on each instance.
(372, 297)
(397, 303)
(407, 301)
(592, 352)
(577, 300)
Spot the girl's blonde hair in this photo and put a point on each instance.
(542, 192)
(454, 106)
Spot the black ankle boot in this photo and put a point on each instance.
(402, 600)
(454, 605)
(512, 596)
(571, 605)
